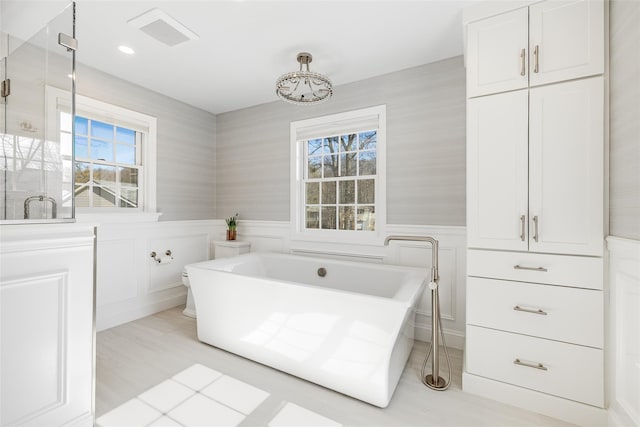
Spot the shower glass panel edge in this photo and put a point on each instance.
(37, 129)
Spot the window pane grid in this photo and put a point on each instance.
(107, 165)
(336, 197)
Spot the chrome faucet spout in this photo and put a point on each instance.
(435, 277)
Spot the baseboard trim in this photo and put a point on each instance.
(551, 406)
(454, 339)
(109, 320)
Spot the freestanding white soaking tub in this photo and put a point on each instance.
(350, 329)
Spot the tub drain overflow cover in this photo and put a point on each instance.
(322, 272)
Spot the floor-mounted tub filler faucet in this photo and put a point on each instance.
(433, 380)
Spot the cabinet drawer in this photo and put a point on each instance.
(567, 314)
(565, 270)
(570, 371)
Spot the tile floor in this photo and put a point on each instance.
(155, 372)
(201, 396)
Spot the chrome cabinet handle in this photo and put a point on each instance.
(536, 56)
(522, 225)
(535, 228)
(530, 365)
(528, 310)
(520, 267)
(522, 62)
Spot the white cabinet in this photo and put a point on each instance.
(548, 42)
(565, 370)
(558, 313)
(566, 40)
(497, 165)
(497, 59)
(566, 167)
(535, 206)
(545, 195)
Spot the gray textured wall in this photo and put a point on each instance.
(425, 147)
(186, 147)
(624, 161)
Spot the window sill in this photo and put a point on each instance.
(117, 218)
(368, 238)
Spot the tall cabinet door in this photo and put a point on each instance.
(566, 40)
(566, 167)
(497, 171)
(496, 53)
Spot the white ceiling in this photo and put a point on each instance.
(244, 46)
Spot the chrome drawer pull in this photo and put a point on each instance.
(530, 365)
(519, 267)
(528, 310)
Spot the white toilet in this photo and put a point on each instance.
(223, 249)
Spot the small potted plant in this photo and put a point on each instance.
(232, 223)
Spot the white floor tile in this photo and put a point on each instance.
(131, 413)
(124, 369)
(202, 411)
(165, 422)
(197, 376)
(292, 415)
(236, 394)
(166, 395)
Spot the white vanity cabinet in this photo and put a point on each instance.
(547, 42)
(535, 169)
(535, 206)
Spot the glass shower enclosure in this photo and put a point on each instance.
(37, 71)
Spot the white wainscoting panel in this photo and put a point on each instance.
(452, 271)
(275, 236)
(624, 331)
(118, 284)
(265, 236)
(130, 283)
(46, 308)
(184, 250)
(36, 303)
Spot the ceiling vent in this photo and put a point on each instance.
(157, 24)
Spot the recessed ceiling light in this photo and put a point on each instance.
(126, 49)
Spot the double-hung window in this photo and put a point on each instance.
(108, 167)
(338, 187)
(114, 148)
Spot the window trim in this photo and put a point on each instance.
(103, 111)
(327, 125)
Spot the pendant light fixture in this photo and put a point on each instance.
(304, 87)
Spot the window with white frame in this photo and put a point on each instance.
(108, 166)
(114, 168)
(338, 185)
